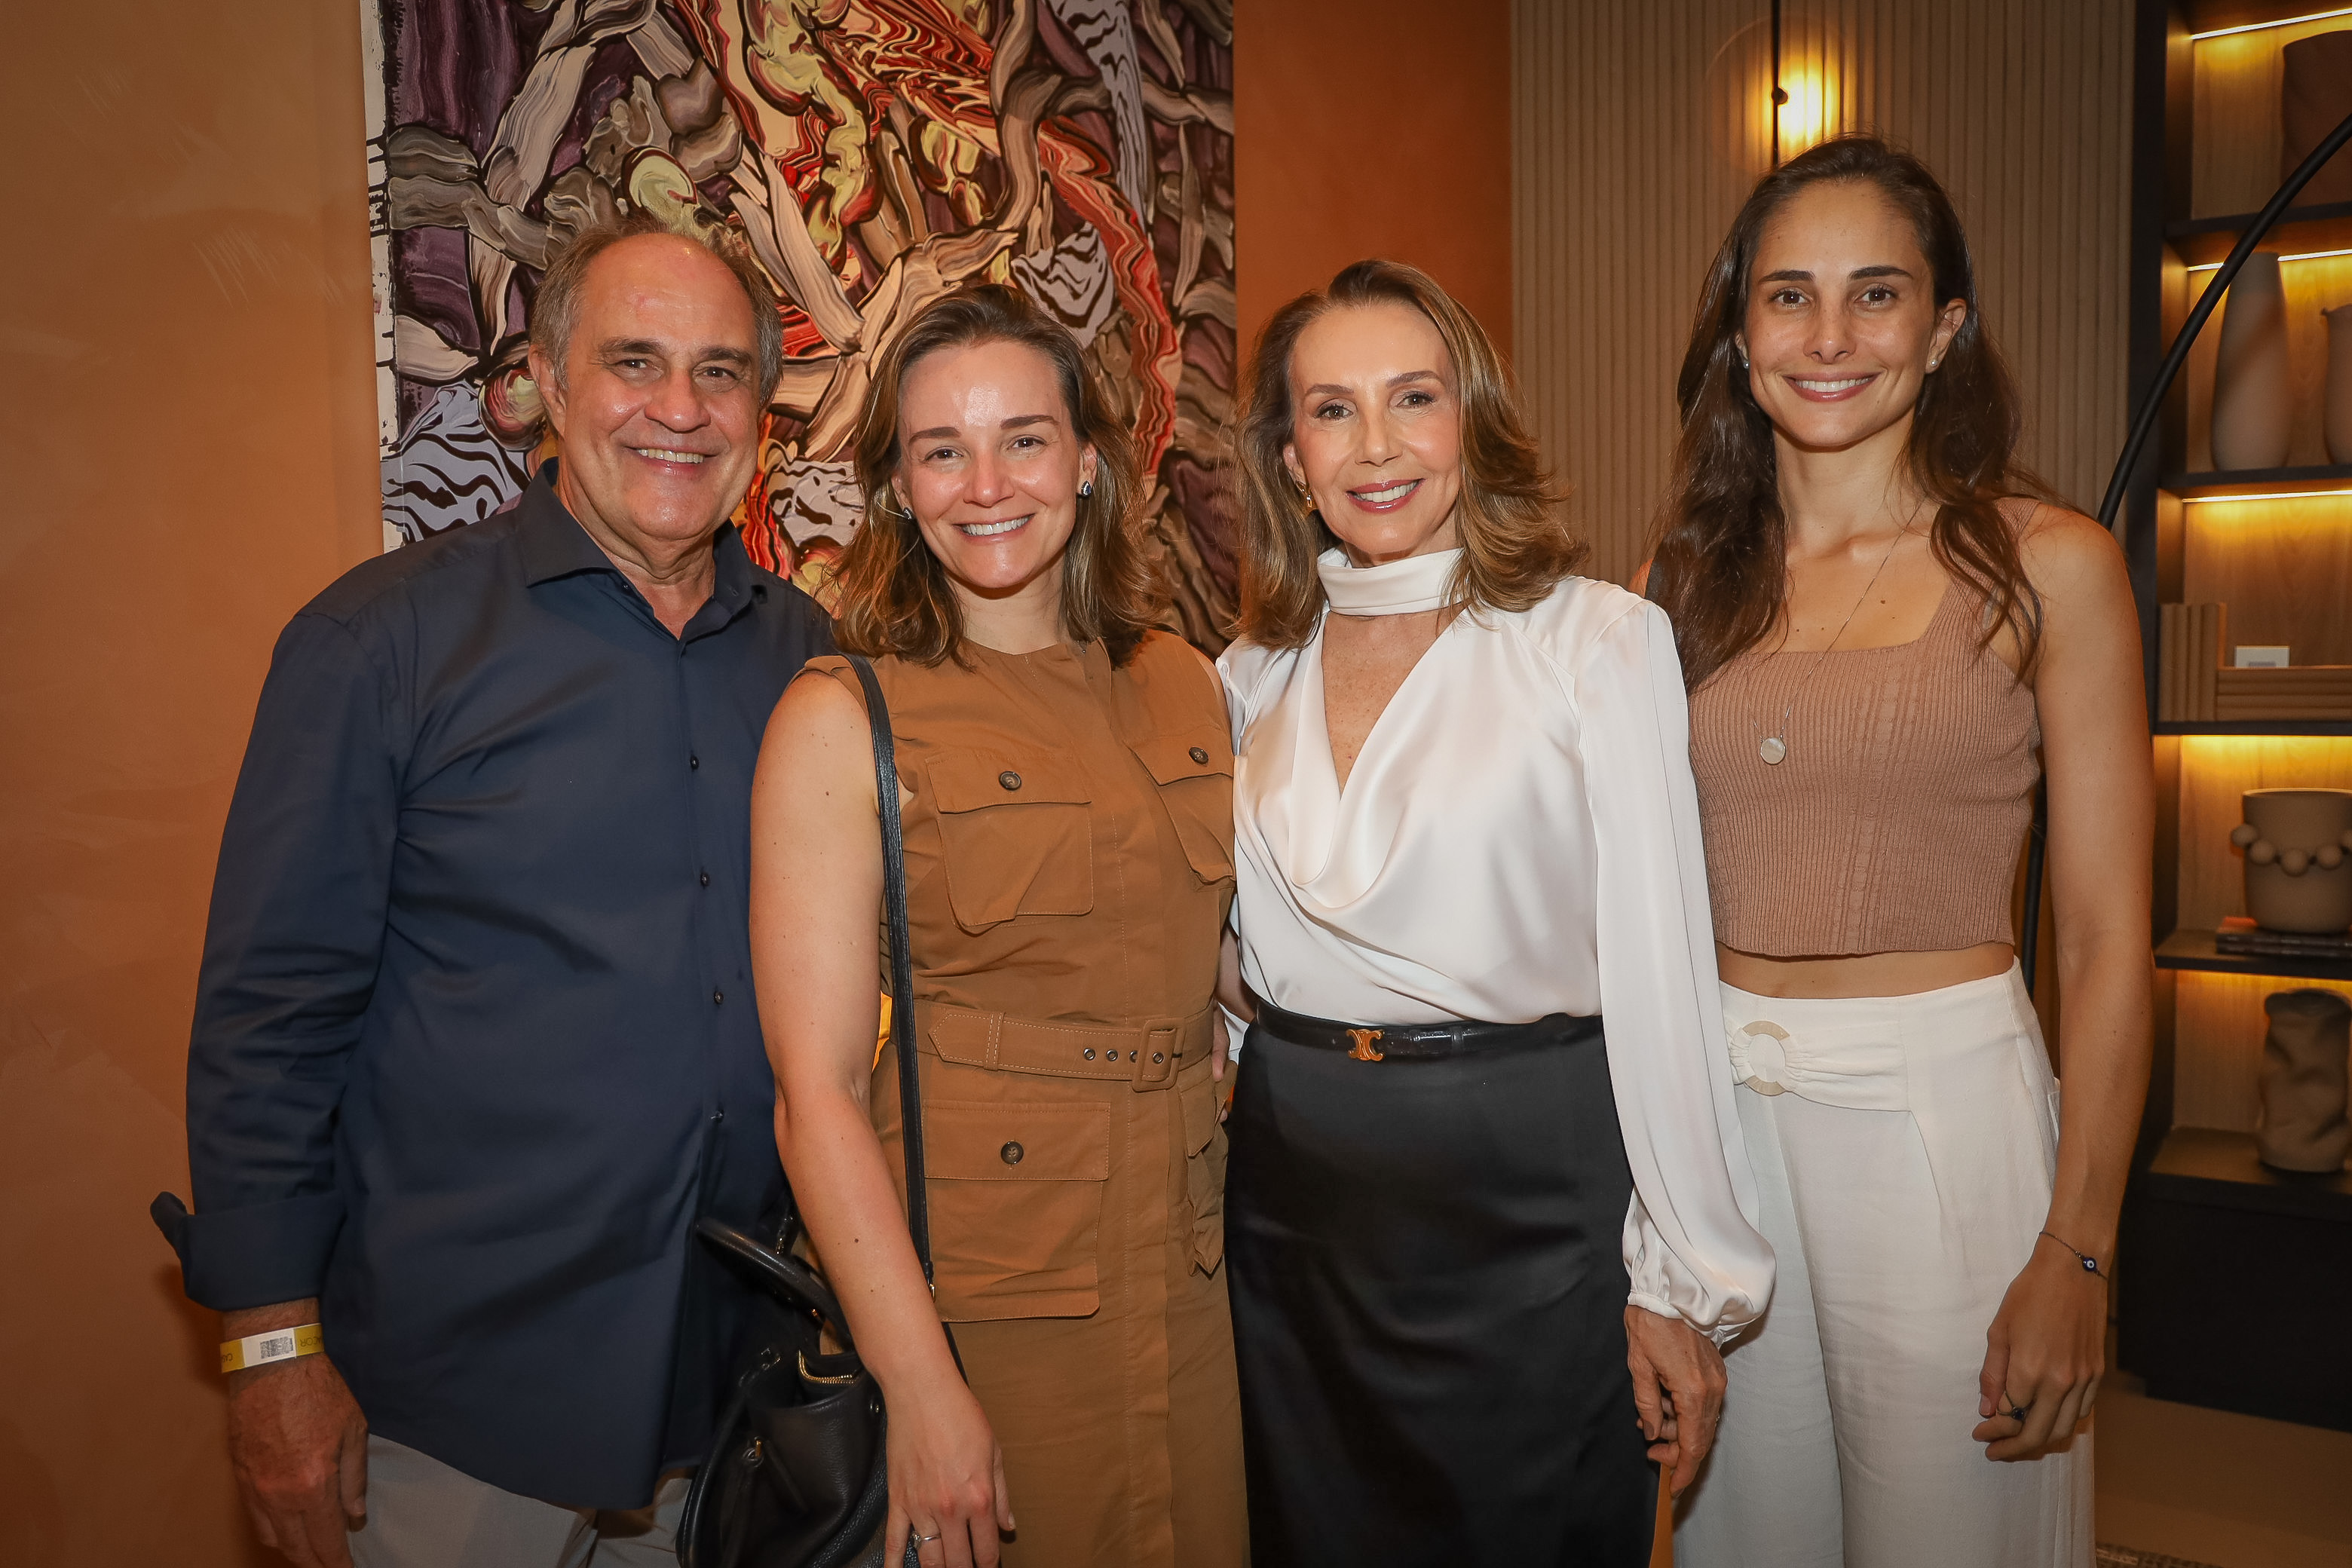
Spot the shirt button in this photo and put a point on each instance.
(1158, 1058)
(1011, 1153)
(1009, 779)
(717, 998)
(706, 879)
(1200, 754)
(1089, 1052)
(692, 761)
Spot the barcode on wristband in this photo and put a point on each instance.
(274, 1345)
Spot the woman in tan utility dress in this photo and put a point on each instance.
(1067, 798)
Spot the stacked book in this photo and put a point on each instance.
(2188, 661)
(2192, 685)
(2238, 935)
(2295, 691)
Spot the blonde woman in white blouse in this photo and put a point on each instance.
(1482, 1246)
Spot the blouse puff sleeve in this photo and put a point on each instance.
(1690, 1242)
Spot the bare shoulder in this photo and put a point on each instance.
(820, 702)
(2067, 555)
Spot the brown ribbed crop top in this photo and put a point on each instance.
(1894, 823)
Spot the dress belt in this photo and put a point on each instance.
(1422, 1042)
(1147, 1053)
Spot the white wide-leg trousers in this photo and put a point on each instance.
(1904, 1149)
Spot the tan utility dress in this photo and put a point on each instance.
(1069, 863)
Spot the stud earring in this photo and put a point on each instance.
(1087, 488)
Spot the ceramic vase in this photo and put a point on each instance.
(2338, 408)
(2315, 95)
(2252, 401)
(2298, 844)
(2300, 1125)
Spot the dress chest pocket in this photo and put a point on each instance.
(1016, 834)
(1193, 770)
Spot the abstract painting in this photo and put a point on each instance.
(872, 154)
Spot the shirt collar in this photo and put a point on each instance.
(554, 545)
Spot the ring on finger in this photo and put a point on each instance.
(2015, 1413)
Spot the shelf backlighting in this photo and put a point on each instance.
(2265, 27)
(2267, 495)
(2300, 255)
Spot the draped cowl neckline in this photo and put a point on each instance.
(1403, 587)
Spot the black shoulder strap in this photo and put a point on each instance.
(902, 964)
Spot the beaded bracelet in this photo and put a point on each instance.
(2090, 1263)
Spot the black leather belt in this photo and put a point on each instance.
(1422, 1042)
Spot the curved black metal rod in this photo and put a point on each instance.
(2143, 426)
(2152, 401)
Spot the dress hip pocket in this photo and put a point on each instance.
(1016, 1193)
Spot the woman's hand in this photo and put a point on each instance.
(2043, 1355)
(947, 1480)
(1677, 1388)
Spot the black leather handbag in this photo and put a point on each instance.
(796, 1474)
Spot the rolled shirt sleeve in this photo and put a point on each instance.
(291, 950)
(1690, 1240)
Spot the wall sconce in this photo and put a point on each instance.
(1802, 105)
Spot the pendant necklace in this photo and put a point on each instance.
(1774, 748)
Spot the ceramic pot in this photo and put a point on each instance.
(2300, 1125)
(2252, 400)
(2298, 844)
(2315, 95)
(2338, 407)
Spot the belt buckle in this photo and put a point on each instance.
(1754, 1079)
(1361, 1049)
(1155, 1062)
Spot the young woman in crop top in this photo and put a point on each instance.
(1879, 631)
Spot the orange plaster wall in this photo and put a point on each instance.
(1373, 128)
(187, 453)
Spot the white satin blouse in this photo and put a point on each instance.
(1520, 837)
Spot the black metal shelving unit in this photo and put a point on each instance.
(2231, 1272)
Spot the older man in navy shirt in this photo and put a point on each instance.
(475, 1041)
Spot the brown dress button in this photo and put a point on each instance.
(1011, 1153)
(1009, 779)
(1090, 1053)
(1158, 1058)
(1200, 754)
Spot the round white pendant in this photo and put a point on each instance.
(1773, 750)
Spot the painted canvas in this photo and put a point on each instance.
(872, 154)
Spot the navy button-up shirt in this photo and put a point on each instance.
(475, 1040)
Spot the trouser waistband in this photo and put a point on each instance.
(1422, 1042)
(1147, 1053)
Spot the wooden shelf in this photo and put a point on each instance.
(2195, 950)
(2235, 224)
(2208, 241)
(2252, 727)
(2214, 1166)
(2311, 479)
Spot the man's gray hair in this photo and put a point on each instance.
(555, 308)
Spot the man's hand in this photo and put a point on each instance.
(1677, 1388)
(298, 1445)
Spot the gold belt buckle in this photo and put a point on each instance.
(1363, 1050)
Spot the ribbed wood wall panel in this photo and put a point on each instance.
(1640, 125)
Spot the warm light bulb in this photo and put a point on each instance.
(1811, 114)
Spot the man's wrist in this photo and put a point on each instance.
(249, 1321)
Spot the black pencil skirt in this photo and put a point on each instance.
(1428, 1303)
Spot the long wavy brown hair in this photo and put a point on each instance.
(1515, 545)
(895, 593)
(1719, 566)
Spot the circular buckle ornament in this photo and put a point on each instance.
(1761, 1059)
